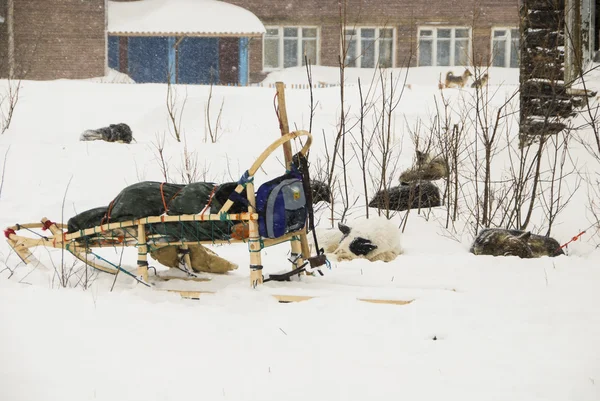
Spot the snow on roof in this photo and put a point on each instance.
(181, 18)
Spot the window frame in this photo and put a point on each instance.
(434, 46)
(358, 38)
(281, 40)
(508, 50)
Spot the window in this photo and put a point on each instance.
(444, 46)
(505, 47)
(370, 47)
(285, 47)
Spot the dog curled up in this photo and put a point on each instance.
(457, 81)
(113, 133)
(506, 242)
(374, 239)
(427, 167)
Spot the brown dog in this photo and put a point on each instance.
(457, 81)
(426, 168)
(481, 82)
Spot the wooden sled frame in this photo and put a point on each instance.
(71, 242)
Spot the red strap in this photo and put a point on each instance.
(106, 216)
(210, 198)
(8, 232)
(46, 225)
(175, 195)
(575, 238)
(162, 195)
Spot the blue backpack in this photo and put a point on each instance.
(281, 206)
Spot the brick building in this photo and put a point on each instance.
(185, 41)
(53, 39)
(388, 33)
(73, 38)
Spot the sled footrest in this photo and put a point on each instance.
(285, 276)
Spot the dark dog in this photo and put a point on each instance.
(320, 192)
(416, 195)
(503, 242)
(113, 133)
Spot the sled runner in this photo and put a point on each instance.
(279, 211)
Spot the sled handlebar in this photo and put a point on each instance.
(285, 138)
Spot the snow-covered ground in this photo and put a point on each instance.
(479, 328)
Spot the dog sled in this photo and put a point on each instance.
(280, 211)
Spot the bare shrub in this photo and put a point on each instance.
(361, 146)
(159, 146)
(213, 132)
(452, 144)
(175, 110)
(553, 184)
(8, 103)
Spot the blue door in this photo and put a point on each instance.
(148, 59)
(113, 52)
(198, 61)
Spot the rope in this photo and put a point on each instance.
(33, 232)
(260, 243)
(195, 230)
(121, 269)
(106, 216)
(162, 195)
(175, 196)
(10, 231)
(210, 198)
(245, 179)
(575, 238)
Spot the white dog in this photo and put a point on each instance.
(373, 239)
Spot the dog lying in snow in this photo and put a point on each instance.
(413, 195)
(373, 239)
(524, 244)
(426, 167)
(113, 133)
(457, 81)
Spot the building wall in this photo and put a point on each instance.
(60, 38)
(404, 15)
(3, 41)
